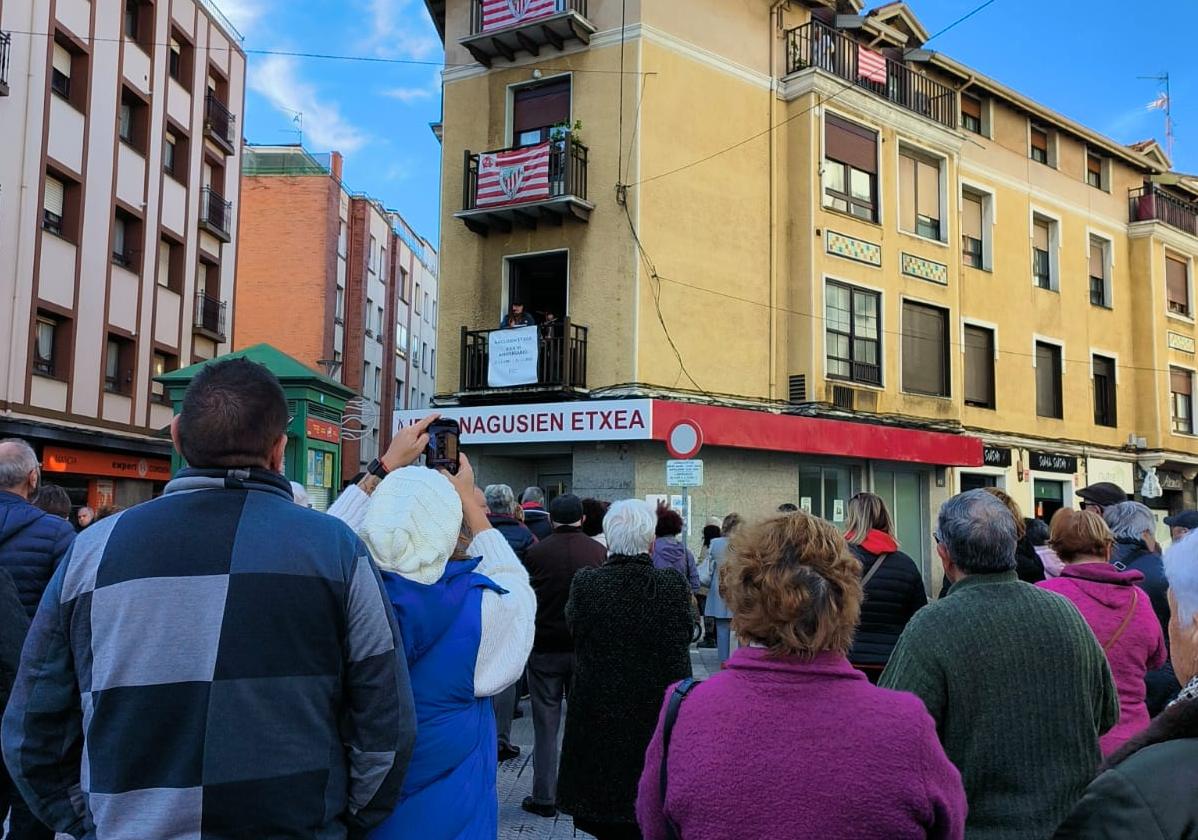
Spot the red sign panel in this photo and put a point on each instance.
(513, 177)
(323, 430)
(60, 459)
(500, 14)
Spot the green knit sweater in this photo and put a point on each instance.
(1020, 691)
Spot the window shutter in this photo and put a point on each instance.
(1040, 235)
(1048, 380)
(62, 60)
(1039, 139)
(850, 143)
(541, 106)
(1094, 166)
(928, 177)
(118, 236)
(1180, 381)
(971, 106)
(55, 191)
(164, 264)
(906, 192)
(1176, 287)
(923, 349)
(971, 216)
(1097, 259)
(979, 366)
(126, 120)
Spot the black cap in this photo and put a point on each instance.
(1185, 519)
(566, 509)
(1103, 493)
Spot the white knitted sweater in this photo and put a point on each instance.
(508, 620)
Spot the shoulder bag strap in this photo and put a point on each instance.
(873, 570)
(679, 694)
(1135, 599)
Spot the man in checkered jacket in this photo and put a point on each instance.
(218, 662)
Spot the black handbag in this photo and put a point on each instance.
(667, 727)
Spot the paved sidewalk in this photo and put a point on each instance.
(515, 776)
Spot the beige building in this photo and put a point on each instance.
(118, 215)
(851, 261)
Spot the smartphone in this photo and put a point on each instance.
(442, 450)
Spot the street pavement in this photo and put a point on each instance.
(515, 776)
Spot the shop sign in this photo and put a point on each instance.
(1051, 462)
(1170, 480)
(323, 430)
(1184, 343)
(60, 459)
(993, 456)
(547, 422)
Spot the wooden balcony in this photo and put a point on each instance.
(506, 29)
(561, 364)
(1151, 203)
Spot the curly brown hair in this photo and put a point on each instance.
(669, 521)
(1013, 506)
(793, 586)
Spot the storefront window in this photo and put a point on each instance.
(825, 491)
(977, 481)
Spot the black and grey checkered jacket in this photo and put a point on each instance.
(216, 663)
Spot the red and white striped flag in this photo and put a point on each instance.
(871, 65)
(513, 177)
(500, 14)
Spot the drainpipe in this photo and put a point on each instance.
(23, 195)
(775, 23)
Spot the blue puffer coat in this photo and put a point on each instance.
(31, 544)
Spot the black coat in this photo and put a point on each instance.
(1148, 790)
(14, 624)
(31, 544)
(551, 565)
(537, 520)
(894, 594)
(518, 537)
(1134, 554)
(632, 629)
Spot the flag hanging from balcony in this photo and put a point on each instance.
(871, 65)
(514, 176)
(500, 14)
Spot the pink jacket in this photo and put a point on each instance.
(1104, 596)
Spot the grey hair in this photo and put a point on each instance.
(17, 461)
(501, 500)
(1181, 568)
(1129, 520)
(978, 532)
(630, 526)
(535, 495)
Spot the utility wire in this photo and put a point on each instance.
(961, 19)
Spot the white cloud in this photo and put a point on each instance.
(401, 29)
(408, 95)
(277, 78)
(242, 13)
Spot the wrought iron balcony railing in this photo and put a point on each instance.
(561, 359)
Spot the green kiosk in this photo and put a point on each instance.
(315, 403)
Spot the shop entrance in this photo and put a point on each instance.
(1050, 497)
(906, 496)
(825, 491)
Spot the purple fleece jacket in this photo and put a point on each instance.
(781, 747)
(1103, 595)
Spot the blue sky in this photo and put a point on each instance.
(1080, 59)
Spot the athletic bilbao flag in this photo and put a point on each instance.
(500, 14)
(871, 65)
(514, 176)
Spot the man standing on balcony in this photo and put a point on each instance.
(517, 317)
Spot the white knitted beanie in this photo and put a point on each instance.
(412, 523)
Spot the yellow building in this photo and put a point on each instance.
(850, 262)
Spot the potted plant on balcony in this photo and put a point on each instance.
(560, 131)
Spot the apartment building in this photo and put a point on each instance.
(336, 280)
(791, 234)
(118, 208)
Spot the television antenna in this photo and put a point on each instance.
(1163, 102)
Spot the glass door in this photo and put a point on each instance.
(825, 491)
(905, 493)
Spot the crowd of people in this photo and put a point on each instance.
(225, 662)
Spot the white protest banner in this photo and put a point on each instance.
(512, 357)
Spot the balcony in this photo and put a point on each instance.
(1150, 203)
(818, 45)
(220, 126)
(521, 187)
(561, 363)
(216, 214)
(210, 316)
(504, 28)
(5, 49)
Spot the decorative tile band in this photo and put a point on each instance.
(1184, 343)
(930, 270)
(853, 249)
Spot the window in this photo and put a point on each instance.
(426, 310)
(416, 299)
(925, 349)
(342, 239)
(432, 362)
(126, 237)
(53, 205)
(378, 384)
(403, 284)
(1039, 145)
(179, 59)
(971, 113)
(170, 264)
(919, 194)
(1105, 408)
(379, 321)
(339, 305)
(133, 122)
(424, 356)
(372, 263)
(972, 230)
(1043, 234)
(1181, 389)
(979, 367)
(1048, 380)
(61, 70)
(1095, 174)
(1099, 287)
(118, 365)
(161, 363)
(401, 339)
(413, 403)
(1177, 285)
(174, 154)
(369, 318)
(51, 348)
(536, 109)
(853, 334)
(850, 174)
(131, 15)
(399, 393)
